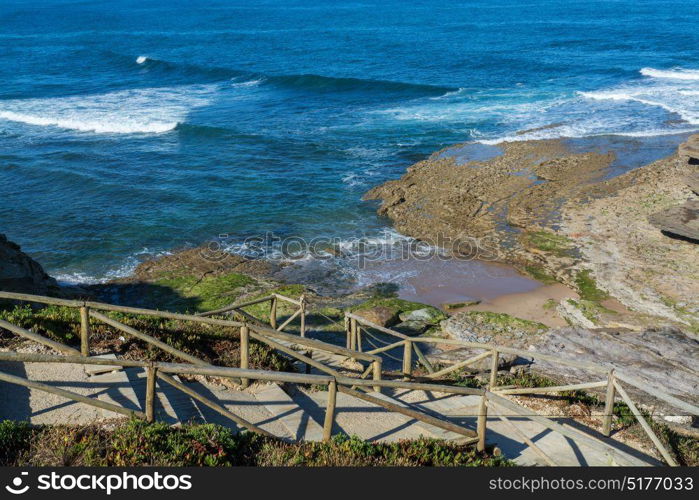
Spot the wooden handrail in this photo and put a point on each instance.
(37, 338)
(234, 306)
(147, 338)
(345, 384)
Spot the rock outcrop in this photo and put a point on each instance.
(21, 273)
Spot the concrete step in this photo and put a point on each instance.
(128, 388)
(429, 429)
(241, 403)
(299, 423)
(91, 370)
(360, 418)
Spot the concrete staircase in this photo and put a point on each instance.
(289, 413)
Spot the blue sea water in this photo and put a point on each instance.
(129, 128)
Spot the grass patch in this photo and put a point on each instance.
(550, 242)
(587, 287)
(591, 310)
(210, 292)
(540, 274)
(137, 443)
(502, 320)
(550, 305)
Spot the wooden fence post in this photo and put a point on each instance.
(273, 313)
(493, 370)
(377, 373)
(482, 422)
(244, 353)
(609, 405)
(353, 335)
(330, 411)
(151, 373)
(407, 359)
(85, 331)
(303, 316)
(347, 332)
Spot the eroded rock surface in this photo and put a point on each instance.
(21, 273)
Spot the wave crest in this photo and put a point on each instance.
(141, 111)
(673, 74)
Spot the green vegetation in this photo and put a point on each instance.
(550, 304)
(217, 345)
(539, 274)
(502, 320)
(591, 310)
(400, 306)
(548, 241)
(210, 292)
(587, 287)
(137, 443)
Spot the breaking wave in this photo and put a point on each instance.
(140, 111)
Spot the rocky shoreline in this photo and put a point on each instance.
(626, 290)
(558, 217)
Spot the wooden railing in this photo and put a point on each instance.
(611, 378)
(359, 387)
(273, 300)
(274, 338)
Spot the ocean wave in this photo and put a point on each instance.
(301, 82)
(319, 83)
(674, 74)
(139, 111)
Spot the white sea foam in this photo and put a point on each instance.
(124, 269)
(674, 74)
(141, 59)
(137, 111)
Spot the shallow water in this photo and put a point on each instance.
(130, 128)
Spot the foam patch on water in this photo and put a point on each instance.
(124, 269)
(675, 74)
(660, 102)
(137, 111)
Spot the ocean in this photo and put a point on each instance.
(129, 128)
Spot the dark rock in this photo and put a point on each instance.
(412, 327)
(381, 315)
(682, 221)
(21, 273)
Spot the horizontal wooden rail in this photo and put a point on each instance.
(519, 352)
(556, 388)
(287, 299)
(38, 338)
(12, 379)
(460, 364)
(175, 368)
(297, 355)
(313, 344)
(420, 355)
(147, 338)
(232, 307)
(385, 348)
